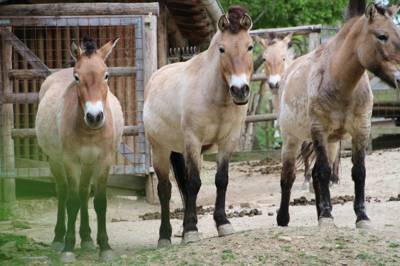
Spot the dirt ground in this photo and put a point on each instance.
(258, 239)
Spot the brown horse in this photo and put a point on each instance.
(194, 107)
(326, 97)
(79, 125)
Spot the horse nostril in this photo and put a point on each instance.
(246, 89)
(90, 118)
(99, 117)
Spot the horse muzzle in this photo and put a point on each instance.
(94, 115)
(240, 95)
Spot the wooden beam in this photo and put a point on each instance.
(78, 9)
(261, 118)
(299, 30)
(31, 132)
(162, 35)
(23, 50)
(259, 77)
(38, 73)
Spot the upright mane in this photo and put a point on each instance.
(235, 14)
(89, 45)
(355, 8)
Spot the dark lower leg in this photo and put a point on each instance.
(287, 179)
(164, 194)
(84, 230)
(316, 191)
(221, 182)
(307, 173)
(193, 184)
(100, 206)
(358, 174)
(60, 229)
(323, 172)
(72, 211)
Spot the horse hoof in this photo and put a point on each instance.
(162, 243)
(190, 237)
(107, 255)
(364, 224)
(88, 245)
(225, 229)
(57, 246)
(325, 222)
(67, 257)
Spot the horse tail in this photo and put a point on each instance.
(178, 166)
(355, 8)
(307, 154)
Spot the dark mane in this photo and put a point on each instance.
(89, 45)
(235, 14)
(381, 9)
(355, 8)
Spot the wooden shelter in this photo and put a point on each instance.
(35, 40)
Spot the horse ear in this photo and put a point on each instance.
(246, 22)
(223, 23)
(107, 48)
(370, 11)
(393, 10)
(288, 39)
(75, 51)
(260, 40)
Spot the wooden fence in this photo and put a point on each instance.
(35, 42)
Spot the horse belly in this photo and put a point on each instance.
(293, 120)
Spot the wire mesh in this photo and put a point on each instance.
(50, 38)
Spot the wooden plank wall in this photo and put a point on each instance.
(51, 45)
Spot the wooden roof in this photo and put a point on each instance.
(195, 19)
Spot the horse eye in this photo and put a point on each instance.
(221, 50)
(284, 59)
(382, 37)
(76, 77)
(264, 60)
(250, 48)
(106, 76)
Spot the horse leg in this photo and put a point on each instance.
(316, 190)
(305, 154)
(323, 173)
(178, 165)
(224, 227)
(289, 151)
(84, 229)
(161, 167)
(193, 183)
(358, 173)
(73, 201)
(57, 170)
(335, 168)
(100, 206)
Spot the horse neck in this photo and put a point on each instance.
(345, 67)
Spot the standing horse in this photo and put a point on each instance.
(277, 57)
(79, 125)
(193, 107)
(326, 97)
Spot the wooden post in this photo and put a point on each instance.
(313, 41)
(162, 35)
(150, 65)
(7, 184)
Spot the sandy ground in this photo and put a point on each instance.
(129, 235)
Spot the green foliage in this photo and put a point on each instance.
(291, 12)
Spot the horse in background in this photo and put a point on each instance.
(79, 125)
(326, 97)
(278, 55)
(195, 107)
